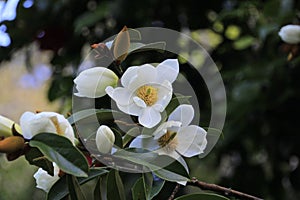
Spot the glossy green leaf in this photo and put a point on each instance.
(102, 115)
(60, 189)
(74, 188)
(118, 137)
(60, 150)
(204, 196)
(35, 157)
(115, 187)
(100, 190)
(176, 101)
(163, 166)
(138, 190)
(156, 187)
(147, 183)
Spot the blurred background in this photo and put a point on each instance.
(42, 43)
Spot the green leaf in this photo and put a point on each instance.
(147, 182)
(35, 157)
(176, 101)
(60, 189)
(102, 115)
(118, 137)
(138, 190)
(100, 188)
(163, 166)
(156, 188)
(206, 196)
(60, 150)
(74, 188)
(115, 187)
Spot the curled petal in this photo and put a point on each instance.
(45, 181)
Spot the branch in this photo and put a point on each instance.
(174, 192)
(221, 190)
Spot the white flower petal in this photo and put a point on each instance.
(168, 70)
(139, 102)
(144, 142)
(149, 117)
(45, 181)
(131, 109)
(191, 140)
(92, 82)
(163, 128)
(32, 124)
(183, 113)
(146, 75)
(129, 75)
(120, 95)
(164, 96)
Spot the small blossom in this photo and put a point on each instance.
(105, 139)
(92, 82)
(6, 126)
(146, 91)
(175, 137)
(45, 181)
(50, 122)
(290, 34)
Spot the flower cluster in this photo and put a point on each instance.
(145, 91)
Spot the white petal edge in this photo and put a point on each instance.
(168, 70)
(191, 140)
(149, 117)
(183, 113)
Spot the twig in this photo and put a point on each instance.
(174, 192)
(222, 190)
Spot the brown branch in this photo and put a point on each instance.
(174, 192)
(221, 190)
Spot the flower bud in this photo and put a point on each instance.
(92, 82)
(6, 126)
(11, 144)
(105, 139)
(121, 45)
(290, 34)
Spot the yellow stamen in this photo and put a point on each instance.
(148, 94)
(56, 124)
(169, 141)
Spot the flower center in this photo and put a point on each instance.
(56, 124)
(148, 94)
(169, 141)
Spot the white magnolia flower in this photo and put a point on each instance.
(92, 82)
(105, 139)
(146, 91)
(175, 137)
(50, 122)
(6, 126)
(45, 181)
(290, 34)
